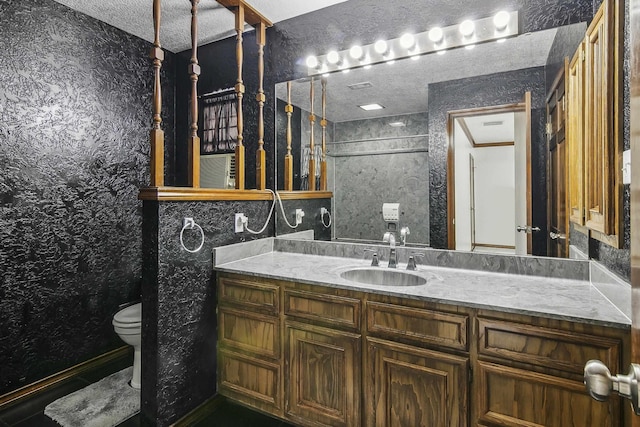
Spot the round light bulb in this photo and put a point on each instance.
(436, 34)
(333, 57)
(407, 41)
(356, 52)
(501, 20)
(467, 28)
(380, 47)
(312, 61)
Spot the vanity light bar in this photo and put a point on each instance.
(501, 26)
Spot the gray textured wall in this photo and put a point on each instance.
(179, 303)
(364, 182)
(75, 109)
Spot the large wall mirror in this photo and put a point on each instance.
(399, 153)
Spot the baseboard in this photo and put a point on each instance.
(30, 390)
(199, 413)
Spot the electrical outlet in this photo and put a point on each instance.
(240, 221)
(299, 216)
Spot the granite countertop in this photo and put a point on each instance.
(565, 299)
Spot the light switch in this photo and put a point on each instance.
(626, 167)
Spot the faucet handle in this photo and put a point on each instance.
(374, 257)
(411, 264)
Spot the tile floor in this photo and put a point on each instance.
(31, 412)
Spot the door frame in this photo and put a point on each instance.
(455, 114)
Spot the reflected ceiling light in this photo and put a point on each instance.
(470, 46)
(501, 20)
(436, 34)
(381, 47)
(370, 107)
(333, 57)
(366, 67)
(312, 61)
(467, 28)
(397, 124)
(501, 40)
(391, 61)
(356, 52)
(407, 40)
(346, 70)
(415, 57)
(442, 52)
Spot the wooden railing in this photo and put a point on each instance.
(244, 14)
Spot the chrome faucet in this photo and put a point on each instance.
(374, 257)
(404, 232)
(390, 238)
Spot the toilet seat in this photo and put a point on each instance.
(129, 317)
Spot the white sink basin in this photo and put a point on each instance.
(383, 276)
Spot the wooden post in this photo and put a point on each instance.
(156, 135)
(288, 158)
(323, 123)
(312, 160)
(261, 162)
(239, 12)
(194, 72)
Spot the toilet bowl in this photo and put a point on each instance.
(127, 324)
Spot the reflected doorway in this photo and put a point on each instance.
(489, 186)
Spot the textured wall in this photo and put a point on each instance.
(179, 321)
(364, 182)
(476, 92)
(75, 109)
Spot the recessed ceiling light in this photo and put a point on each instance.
(370, 107)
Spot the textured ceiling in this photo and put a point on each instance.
(214, 21)
(402, 87)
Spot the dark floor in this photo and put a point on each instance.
(31, 412)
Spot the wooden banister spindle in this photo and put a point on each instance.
(239, 13)
(288, 158)
(156, 135)
(312, 148)
(261, 162)
(323, 123)
(194, 72)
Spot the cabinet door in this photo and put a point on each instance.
(323, 376)
(575, 137)
(512, 397)
(410, 386)
(599, 94)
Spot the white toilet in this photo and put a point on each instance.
(127, 324)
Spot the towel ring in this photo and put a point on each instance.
(190, 224)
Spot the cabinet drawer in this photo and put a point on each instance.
(512, 397)
(251, 332)
(250, 380)
(551, 348)
(331, 310)
(417, 324)
(256, 295)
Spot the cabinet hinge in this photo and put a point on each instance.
(582, 56)
(549, 128)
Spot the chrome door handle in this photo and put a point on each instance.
(555, 236)
(600, 383)
(527, 228)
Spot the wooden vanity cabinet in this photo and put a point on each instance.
(411, 379)
(529, 373)
(249, 342)
(320, 356)
(323, 356)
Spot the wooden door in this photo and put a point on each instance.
(411, 386)
(323, 376)
(522, 153)
(557, 167)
